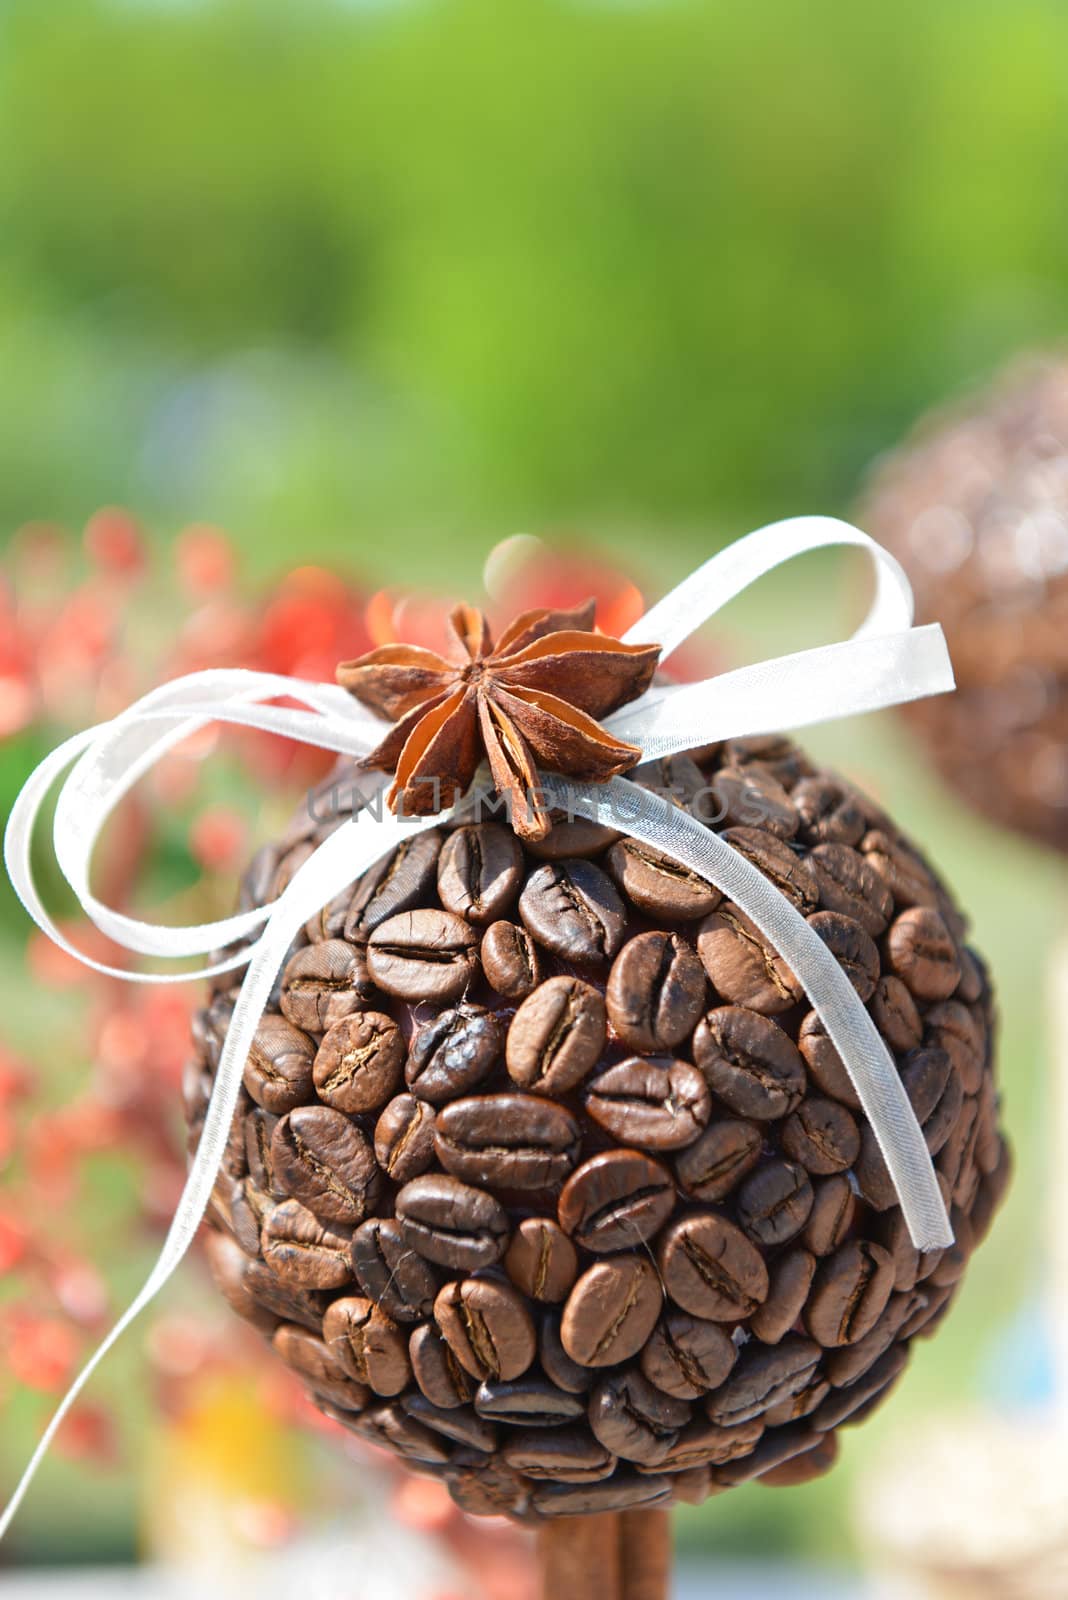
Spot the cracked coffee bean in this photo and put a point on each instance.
(358, 1065)
(369, 1347)
(399, 1281)
(774, 1202)
(393, 885)
(324, 983)
(302, 1252)
(719, 1160)
(487, 1327)
(322, 1159)
(453, 1054)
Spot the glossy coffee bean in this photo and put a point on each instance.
(704, 1444)
(358, 1065)
(773, 1203)
(528, 1402)
(687, 1356)
(487, 1326)
(558, 1455)
(440, 1377)
(634, 1420)
(302, 1251)
(248, 1209)
(429, 956)
(556, 1037)
(321, 1158)
(404, 1138)
(764, 1376)
(749, 1063)
(790, 873)
(616, 1200)
(278, 1071)
(323, 983)
(367, 1344)
(311, 1359)
(564, 1373)
(710, 1168)
(573, 909)
(822, 1136)
(486, 1488)
(480, 870)
(460, 1423)
(541, 1260)
(451, 1223)
(507, 1141)
(656, 992)
(849, 1293)
(848, 883)
(804, 1467)
(662, 888)
(656, 1104)
(825, 1066)
(834, 1207)
(399, 1281)
(710, 1268)
(923, 953)
(393, 885)
(453, 1054)
(742, 965)
(791, 1277)
(510, 960)
(611, 1311)
(852, 948)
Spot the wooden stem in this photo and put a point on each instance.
(615, 1556)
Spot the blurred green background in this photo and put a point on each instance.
(377, 284)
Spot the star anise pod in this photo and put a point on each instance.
(531, 699)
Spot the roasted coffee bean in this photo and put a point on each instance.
(825, 1065)
(393, 885)
(923, 953)
(687, 1356)
(848, 883)
(952, 1027)
(392, 1428)
(925, 1073)
(611, 1311)
(480, 869)
(391, 1273)
(895, 1015)
(872, 1177)
(322, 1159)
(556, 1036)
(749, 1063)
(778, 1447)
(404, 1138)
(710, 1268)
(429, 956)
(802, 1468)
(259, 1125)
(743, 967)
(842, 1405)
(571, 837)
(510, 960)
(487, 1327)
(930, 1306)
(436, 1370)
(329, 921)
(507, 1141)
(944, 1118)
(750, 797)
(574, 910)
(358, 1065)
(834, 1207)
(570, 1376)
(791, 1278)
(664, 889)
(849, 1293)
(486, 1488)
(956, 1160)
(451, 1055)
(845, 1365)
(822, 1136)
(249, 1207)
(458, 1423)
(720, 1159)
(288, 1302)
(655, 1104)
(796, 1407)
(677, 778)
(257, 881)
(323, 983)
(302, 1252)
(228, 1264)
(278, 1071)
(656, 992)
(367, 1344)
(973, 977)
(451, 1223)
(703, 1444)
(289, 865)
(528, 1402)
(541, 1260)
(769, 752)
(901, 868)
(634, 1420)
(892, 1233)
(764, 1376)
(955, 1257)
(791, 874)
(829, 813)
(311, 1360)
(623, 1491)
(559, 1455)
(852, 948)
(615, 1200)
(774, 1202)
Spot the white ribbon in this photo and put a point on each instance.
(886, 662)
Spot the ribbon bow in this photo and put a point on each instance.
(886, 662)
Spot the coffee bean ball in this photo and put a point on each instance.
(545, 1175)
(975, 506)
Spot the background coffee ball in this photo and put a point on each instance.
(975, 506)
(545, 1175)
